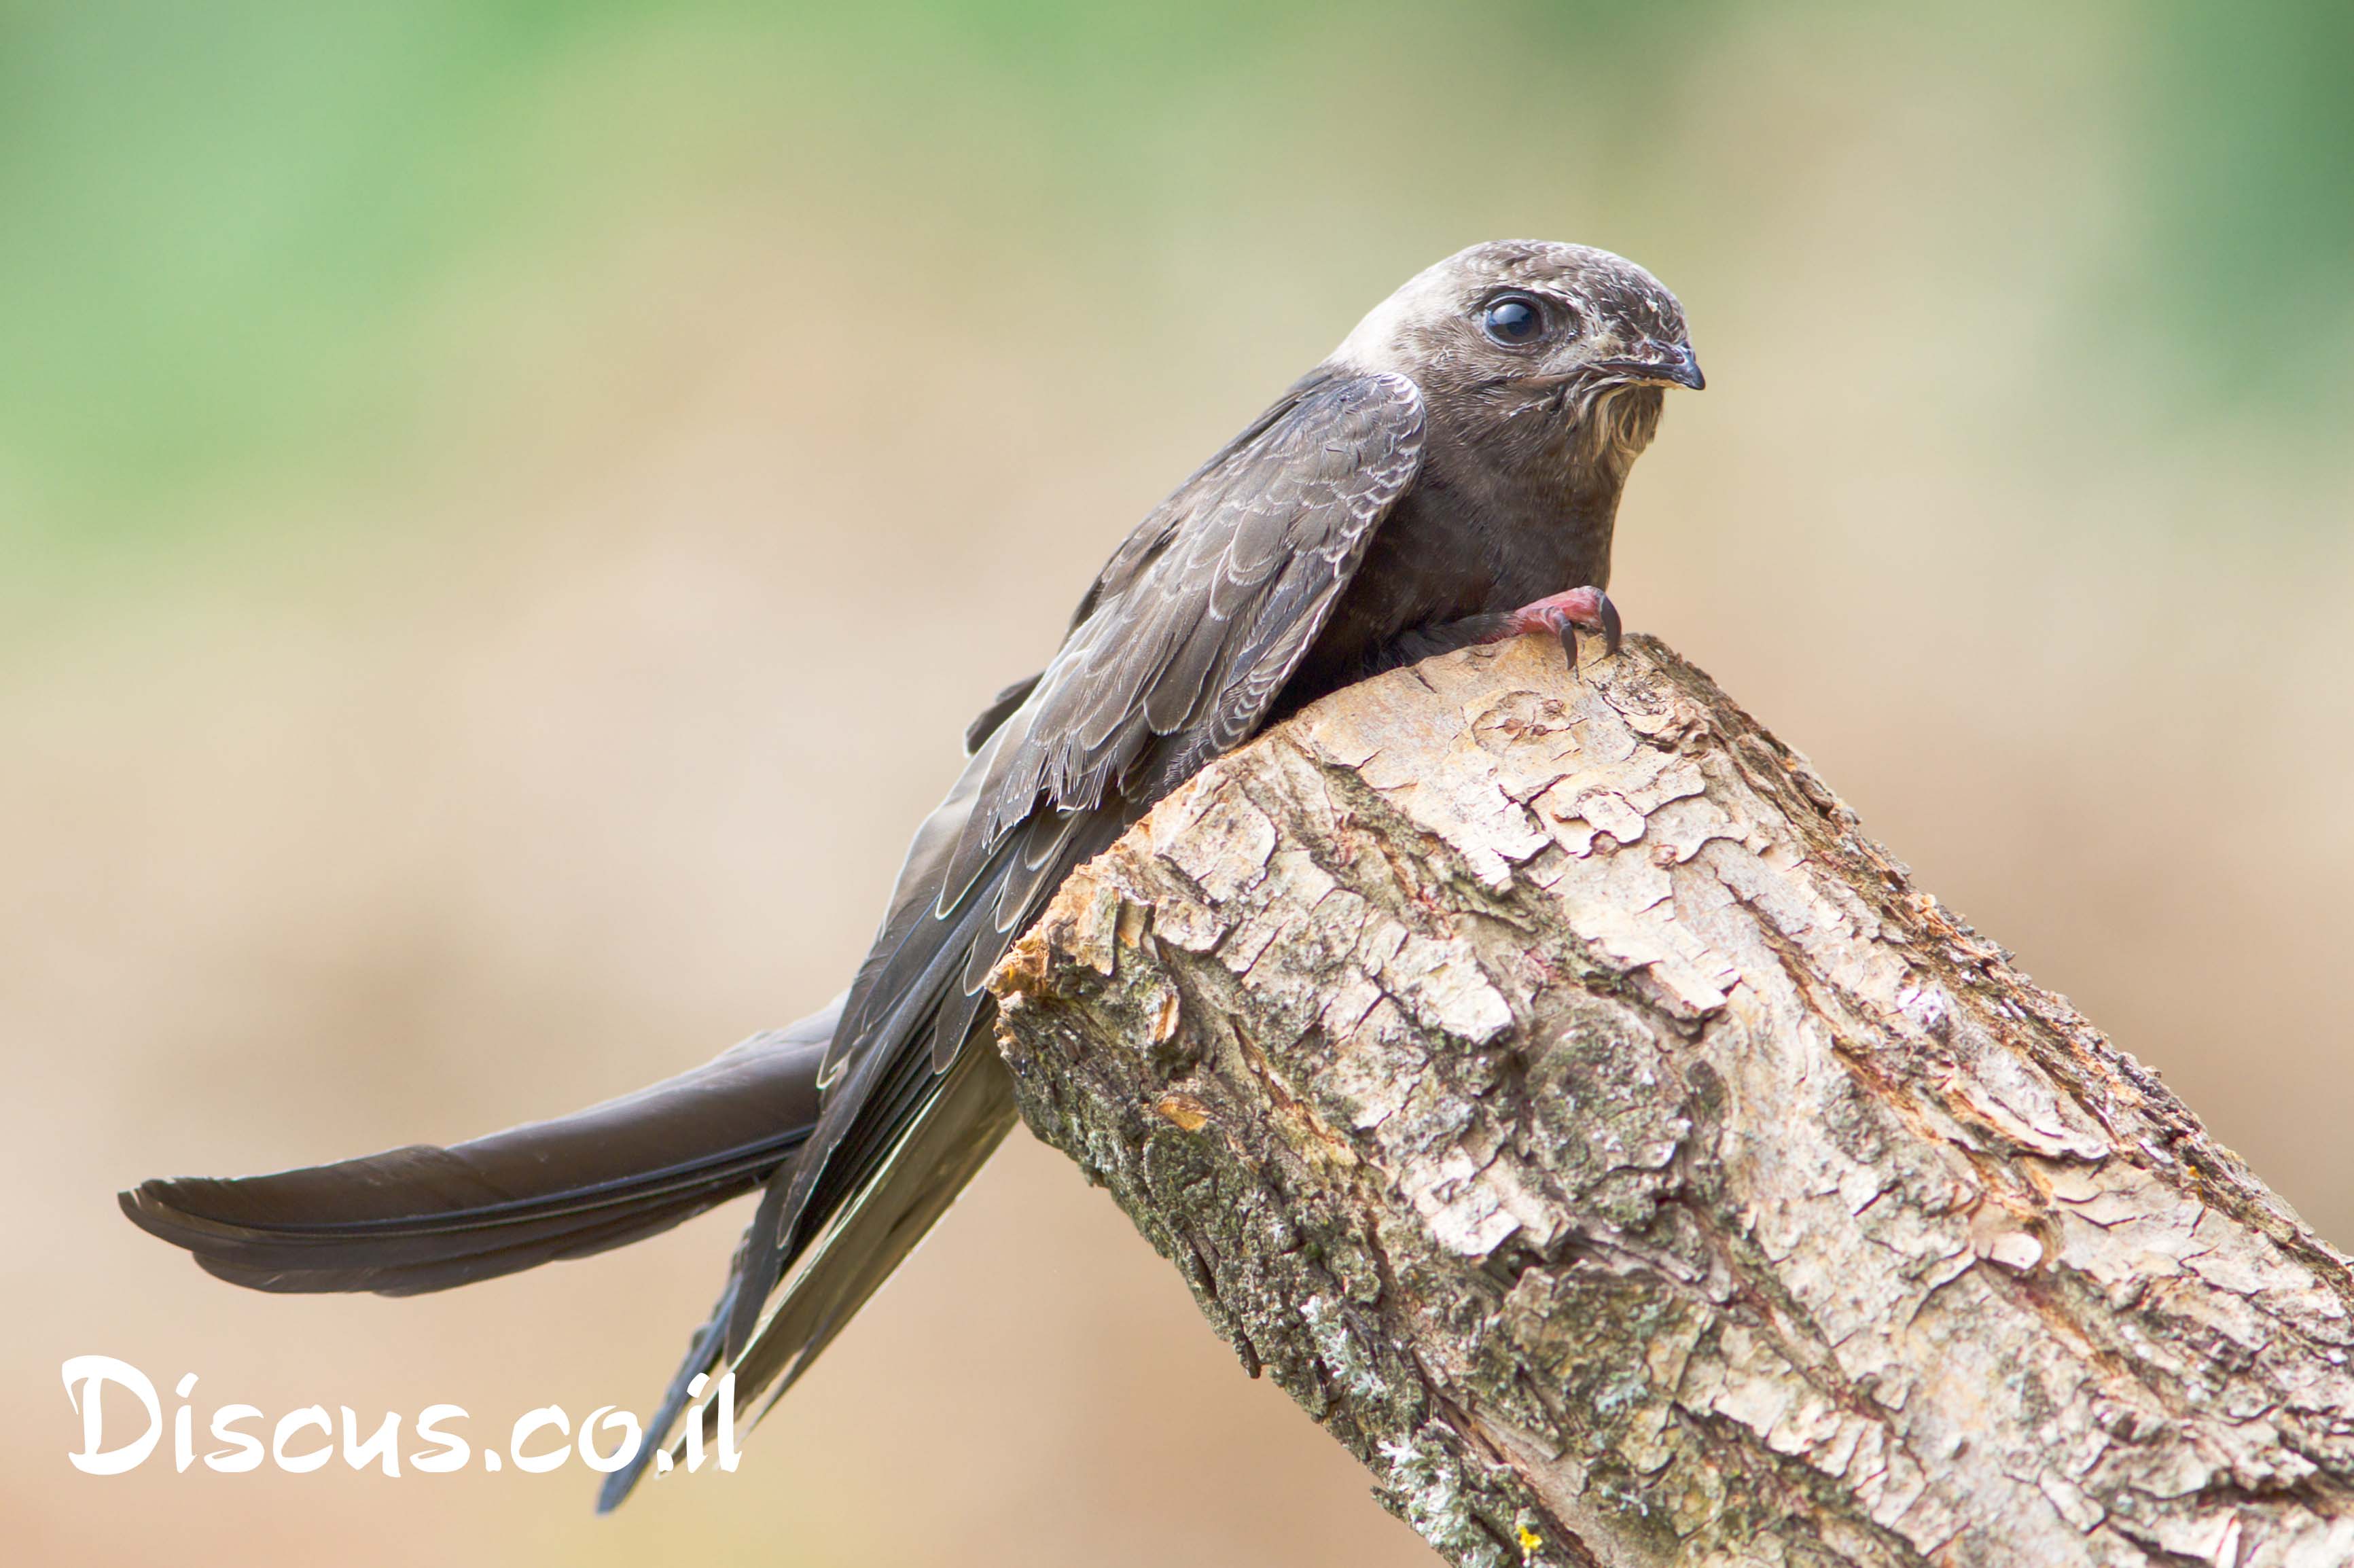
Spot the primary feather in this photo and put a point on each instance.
(423, 1218)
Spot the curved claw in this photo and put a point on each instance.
(1561, 614)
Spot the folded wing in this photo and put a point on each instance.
(1177, 653)
(421, 1218)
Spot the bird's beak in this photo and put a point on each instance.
(1663, 364)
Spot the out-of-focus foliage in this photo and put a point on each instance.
(229, 227)
(506, 509)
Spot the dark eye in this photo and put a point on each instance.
(1513, 320)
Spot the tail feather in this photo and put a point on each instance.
(418, 1219)
(917, 1108)
(939, 1153)
(943, 1140)
(702, 1354)
(771, 1243)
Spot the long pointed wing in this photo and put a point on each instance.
(419, 1219)
(1177, 653)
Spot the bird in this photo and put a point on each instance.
(1450, 476)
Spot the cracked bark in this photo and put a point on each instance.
(1540, 1077)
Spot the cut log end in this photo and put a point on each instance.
(1542, 1077)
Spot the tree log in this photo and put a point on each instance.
(1538, 1072)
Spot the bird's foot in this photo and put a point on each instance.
(1563, 614)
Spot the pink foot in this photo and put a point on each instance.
(1563, 614)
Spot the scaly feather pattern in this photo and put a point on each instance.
(1178, 651)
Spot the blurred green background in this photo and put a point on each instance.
(504, 509)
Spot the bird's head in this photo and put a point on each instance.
(1536, 340)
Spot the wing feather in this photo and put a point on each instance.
(1178, 651)
(1243, 562)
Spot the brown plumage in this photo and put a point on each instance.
(1446, 477)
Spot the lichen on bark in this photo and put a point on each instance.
(1538, 1075)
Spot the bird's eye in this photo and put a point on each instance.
(1514, 321)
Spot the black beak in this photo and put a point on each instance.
(1665, 364)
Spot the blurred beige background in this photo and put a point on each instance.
(506, 509)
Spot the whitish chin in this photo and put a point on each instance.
(1618, 419)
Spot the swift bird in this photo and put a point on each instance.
(1450, 476)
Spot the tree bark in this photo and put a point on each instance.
(1539, 1074)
